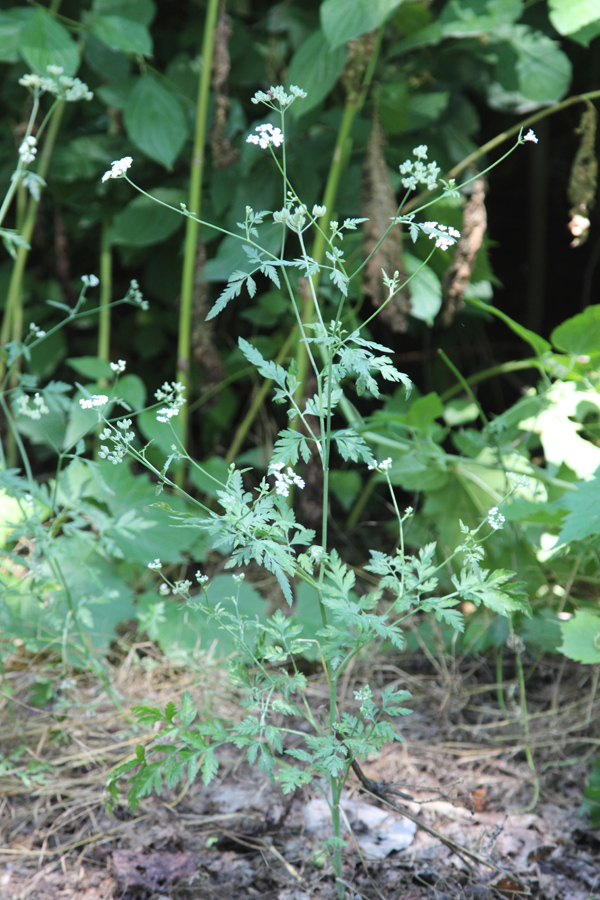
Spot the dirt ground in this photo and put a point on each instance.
(476, 825)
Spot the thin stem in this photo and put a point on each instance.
(188, 272)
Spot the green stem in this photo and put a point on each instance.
(526, 735)
(13, 316)
(194, 204)
(105, 294)
(465, 385)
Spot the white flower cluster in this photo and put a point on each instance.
(55, 82)
(267, 134)
(28, 149)
(381, 466)
(518, 480)
(36, 410)
(495, 519)
(118, 168)
(90, 281)
(94, 401)
(444, 237)
(182, 587)
(172, 394)
(285, 480)
(277, 95)
(531, 136)
(35, 330)
(155, 564)
(200, 578)
(416, 172)
(121, 439)
(118, 367)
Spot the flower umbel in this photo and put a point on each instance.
(94, 401)
(118, 168)
(495, 519)
(285, 480)
(267, 134)
(172, 394)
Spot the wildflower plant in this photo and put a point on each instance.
(260, 525)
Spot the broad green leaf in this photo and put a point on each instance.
(531, 71)
(583, 519)
(581, 638)
(91, 367)
(470, 18)
(144, 222)
(120, 33)
(569, 16)
(82, 158)
(315, 67)
(142, 11)
(156, 121)
(343, 21)
(425, 290)
(44, 42)
(586, 34)
(11, 27)
(558, 427)
(579, 335)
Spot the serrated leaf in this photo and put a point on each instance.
(187, 711)
(581, 638)
(266, 368)
(210, 766)
(583, 520)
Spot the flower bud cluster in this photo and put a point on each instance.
(31, 407)
(417, 173)
(57, 83)
(277, 98)
(28, 149)
(172, 395)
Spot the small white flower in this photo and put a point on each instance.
(200, 578)
(421, 151)
(90, 280)
(381, 466)
(238, 578)
(119, 366)
(531, 136)
(118, 168)
(164, 590)
(156, 564)
(173, 394)
(28, 149)
(94, 401)
(38, 332)
(495, 519)
(267, 134)
(285, 480)
(518, 480)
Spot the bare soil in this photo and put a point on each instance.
(482, 828)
